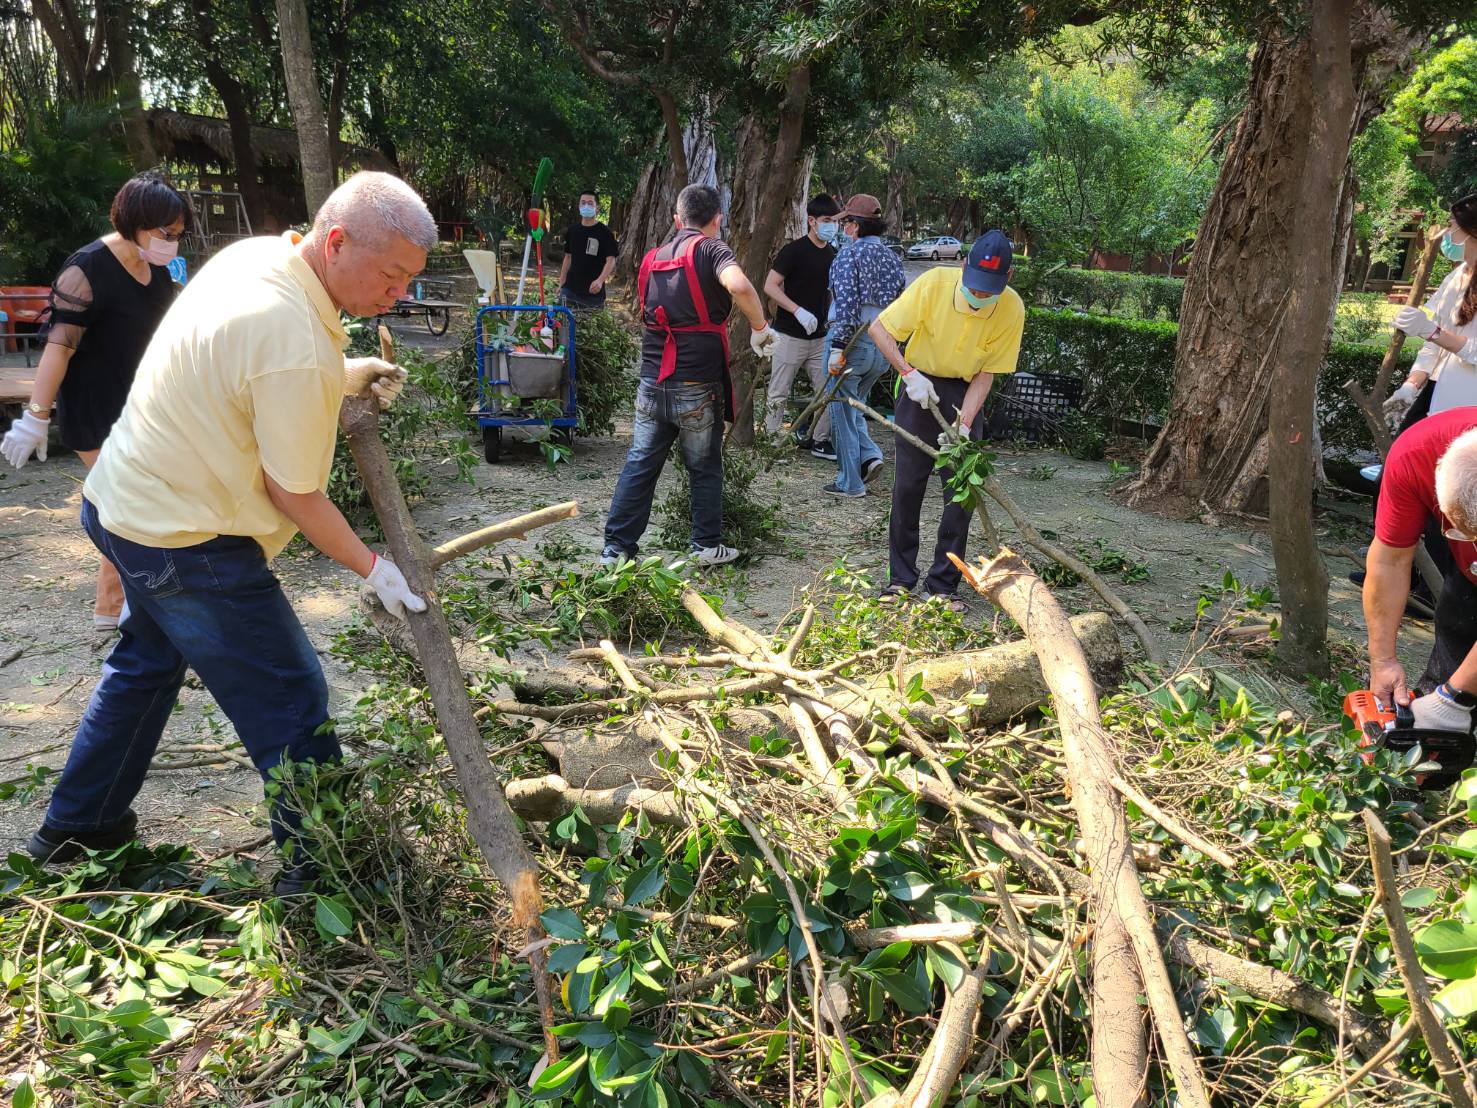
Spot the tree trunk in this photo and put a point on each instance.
(897, 183)
(769, 180)
(238, 117)
(1212, 453)
(307, 102)
(648, 219)
(1302, 578)
(123, 67)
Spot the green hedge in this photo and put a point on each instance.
(1127, 369)
(1127, 295)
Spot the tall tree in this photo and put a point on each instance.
(313, 137)
(98, 62)
(1249, 307)
(233, 96)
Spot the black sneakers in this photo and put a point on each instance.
(824, 450)
(51, 844)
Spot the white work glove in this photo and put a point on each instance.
(1437, 711)
(26, 436)
(1394, 409)
(1400, 399)
(836, 361)
(919, 388)
(1413, 321)
(391, 587)
(373, 377)
(761, 342)
(806, 320)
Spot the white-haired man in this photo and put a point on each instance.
(1431, 473)
(221, 455)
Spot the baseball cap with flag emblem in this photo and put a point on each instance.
(988, 267)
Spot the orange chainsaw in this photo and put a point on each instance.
(1452, 750)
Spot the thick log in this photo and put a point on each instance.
(548, 798)
(1007, 675)
(1125, 926)
(489, 819)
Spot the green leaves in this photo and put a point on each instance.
(561, 923)
(332, 917)
(1449, 949)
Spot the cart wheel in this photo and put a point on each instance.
(565, 435)
(438, 320)
(492, 444)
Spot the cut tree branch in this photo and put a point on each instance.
(1119, 1050)
(490, 821)
(1453, 1076)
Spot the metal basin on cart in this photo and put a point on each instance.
(513, 377)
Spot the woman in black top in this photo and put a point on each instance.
(105, 304)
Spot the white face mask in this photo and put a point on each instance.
(159, 251)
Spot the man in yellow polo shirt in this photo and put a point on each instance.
(960, 328)
(221, 455)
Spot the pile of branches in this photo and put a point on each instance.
(1069, 921)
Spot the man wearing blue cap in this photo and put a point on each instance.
(947, 335)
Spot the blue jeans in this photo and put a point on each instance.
(854, 446)
(216, 608)
(690, 414)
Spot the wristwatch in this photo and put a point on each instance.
(38, 411)
(1457, 696)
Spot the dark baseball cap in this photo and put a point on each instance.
(988, 267)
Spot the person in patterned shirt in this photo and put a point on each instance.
(865, 277)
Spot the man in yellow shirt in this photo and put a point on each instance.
(960, 328)
(221, 455)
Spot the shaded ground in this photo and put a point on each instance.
(50, 657)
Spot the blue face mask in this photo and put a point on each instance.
(1454, 251)
(977, 301)
(827, 231)
(587, 211)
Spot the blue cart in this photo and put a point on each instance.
(507, 379)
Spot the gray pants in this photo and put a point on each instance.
(789, 355)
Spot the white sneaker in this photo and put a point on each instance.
(609, 559)
(714, 555)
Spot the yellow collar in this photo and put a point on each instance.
(303, 273)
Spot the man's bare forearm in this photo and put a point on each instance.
(774, 288)
(1386, 588)
(323, 525)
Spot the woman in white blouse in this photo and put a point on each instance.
(1449, 356)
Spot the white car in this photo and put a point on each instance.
(936, 248)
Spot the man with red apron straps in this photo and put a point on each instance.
(686, 289)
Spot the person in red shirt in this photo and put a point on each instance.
(1430, 474)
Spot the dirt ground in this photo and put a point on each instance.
(50, 656)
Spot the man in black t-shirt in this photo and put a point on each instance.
(797, 283)
(589, 257)
(686, 288)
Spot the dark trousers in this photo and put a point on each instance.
(687, 413)
(910, 484)
(1455, 630)
(216, 608)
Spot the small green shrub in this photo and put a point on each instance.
(750, 523)
(1127, 371)
(606, 354)
(1129, 295)
(56, 186)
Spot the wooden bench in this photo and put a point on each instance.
(15, 385)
